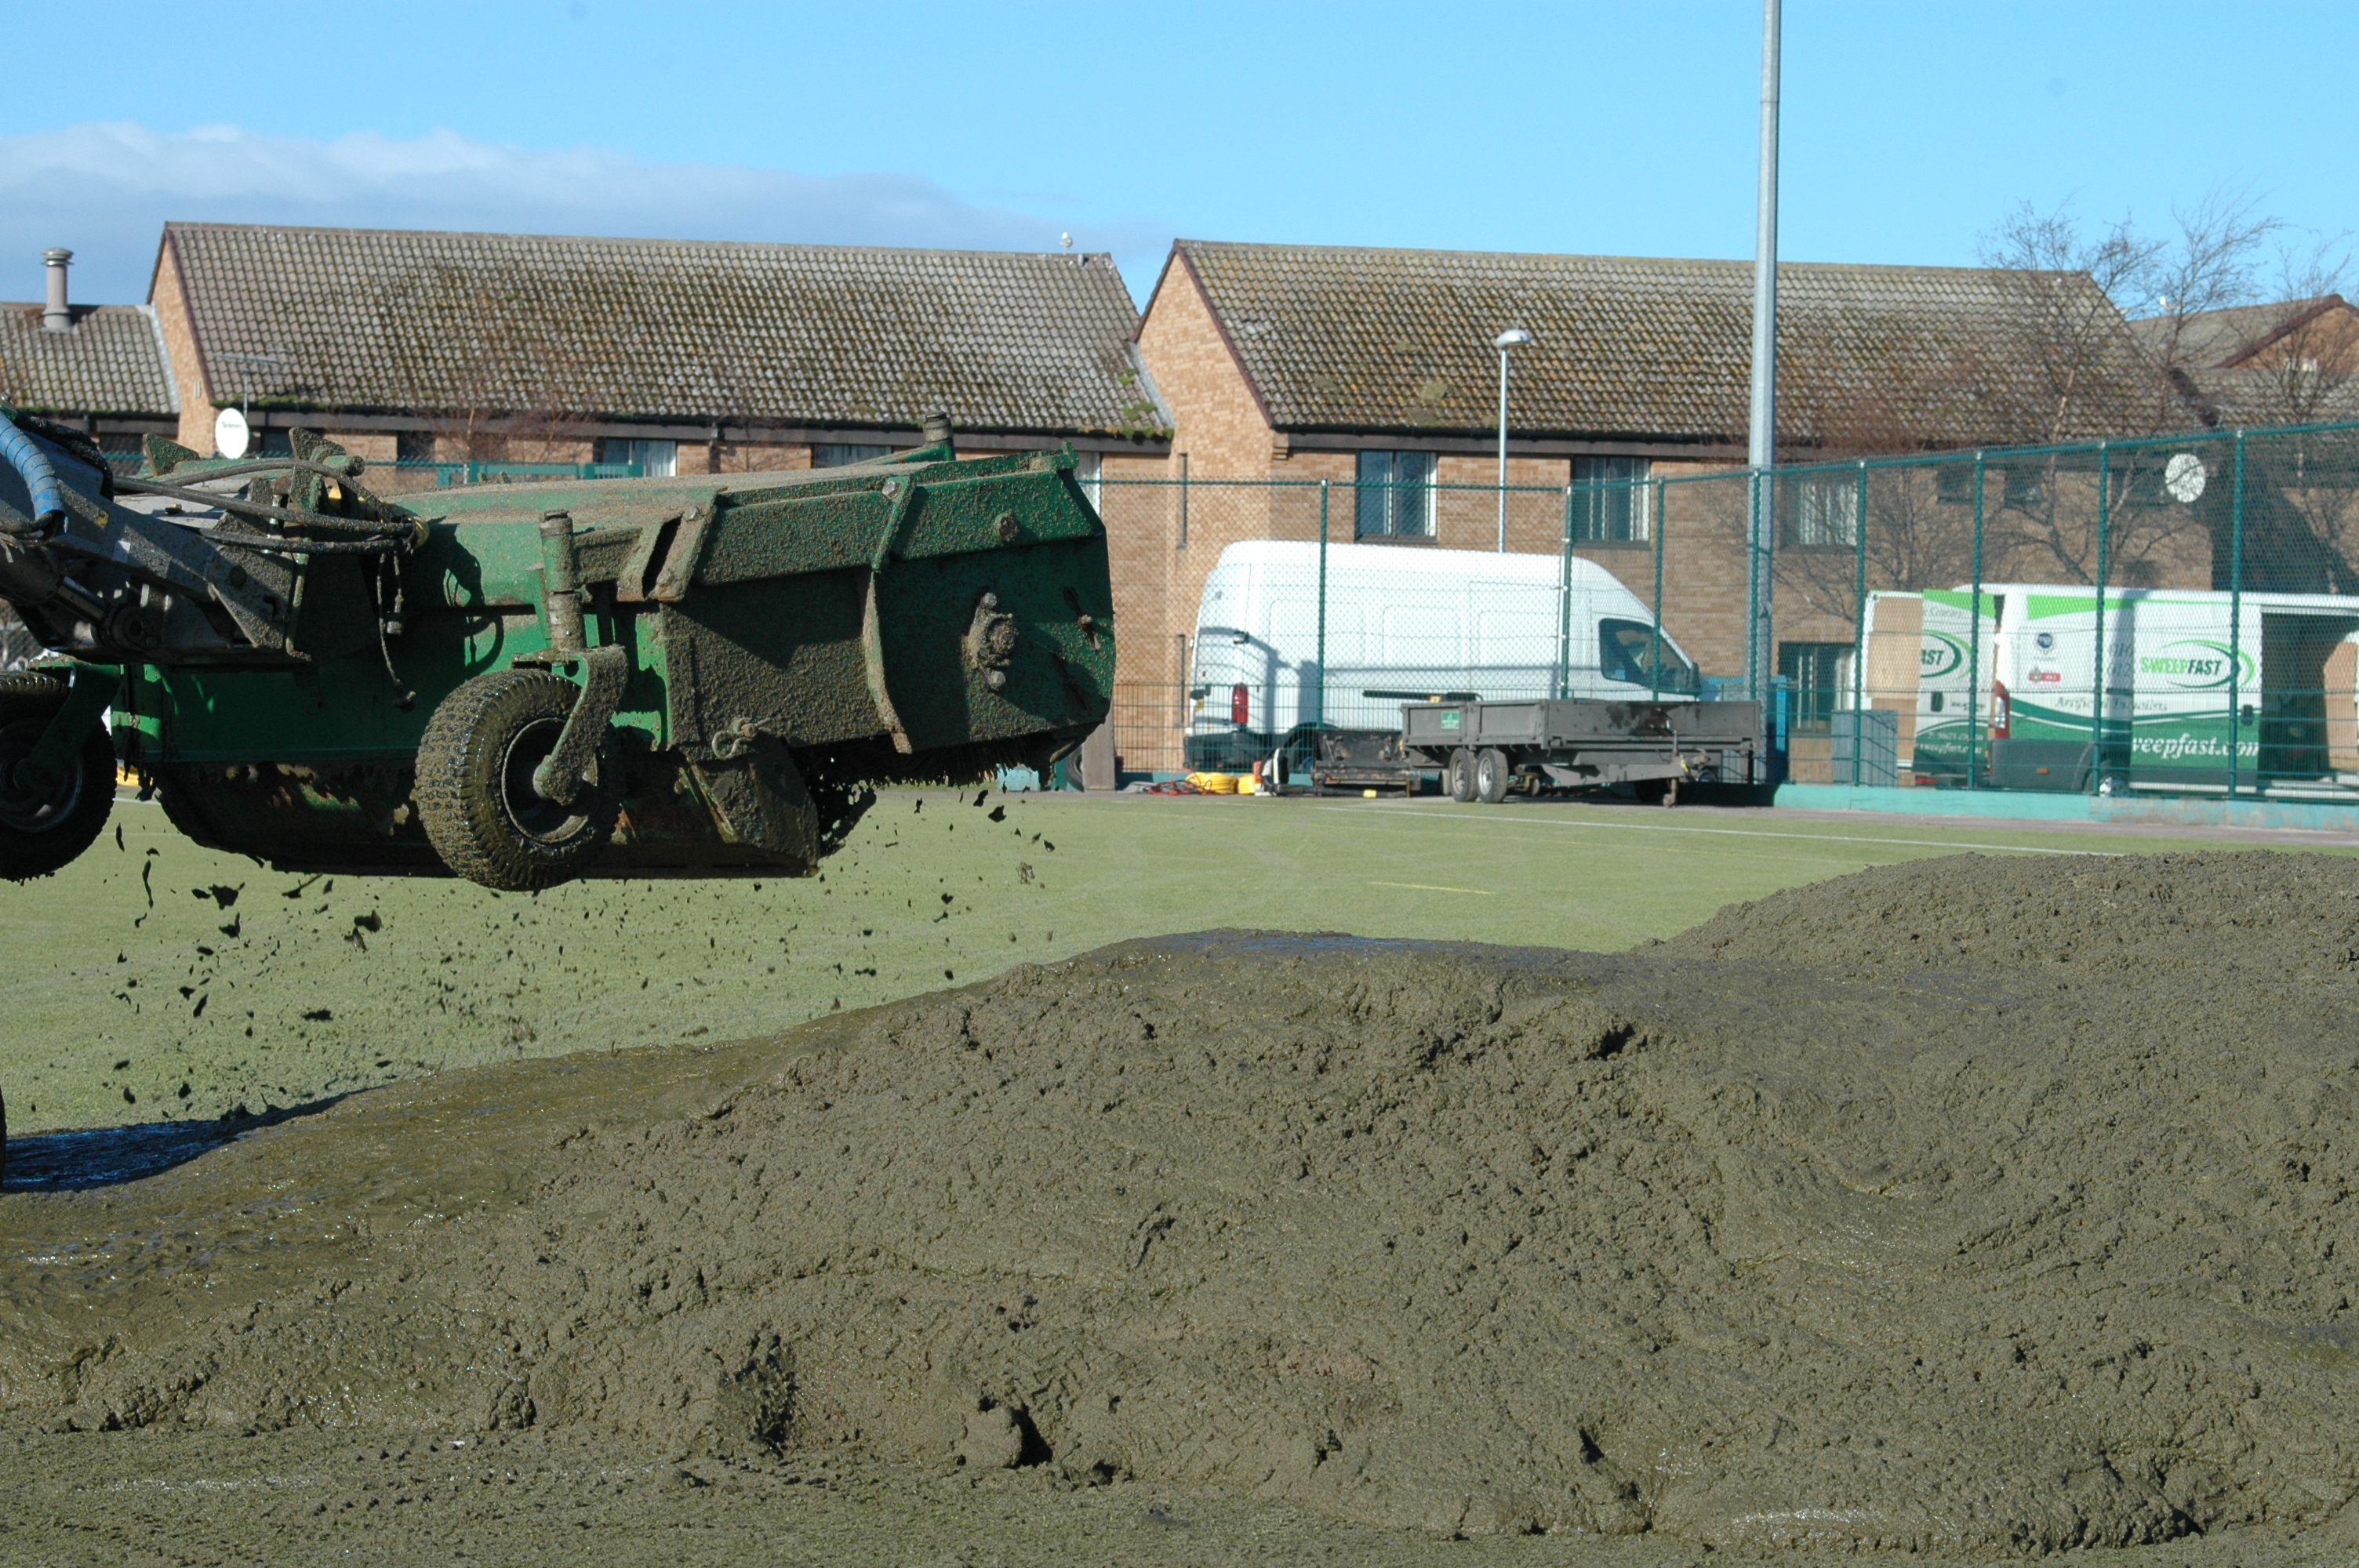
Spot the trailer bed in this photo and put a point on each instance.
(1487, 749)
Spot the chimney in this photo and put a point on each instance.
(57, 316)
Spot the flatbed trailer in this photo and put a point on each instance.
(1485, 749)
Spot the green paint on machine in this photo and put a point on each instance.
(773, 646)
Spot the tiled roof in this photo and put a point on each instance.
(112, 362)
(822, 335)
(1340, 340)
(2210, 339)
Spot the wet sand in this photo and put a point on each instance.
(1973, 1207)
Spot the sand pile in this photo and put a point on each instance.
(1992, 1206)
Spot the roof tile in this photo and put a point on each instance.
(371, 319)
(1347, 339)
(111, 362)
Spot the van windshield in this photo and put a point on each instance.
(1630, 650)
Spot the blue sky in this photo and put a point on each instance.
(1623, 128)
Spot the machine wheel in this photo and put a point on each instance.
(1492, 776)
(1458, 778)
(1272, 777)
(42, 832)
(475, 797)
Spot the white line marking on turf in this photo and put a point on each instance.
(1748, 833)
(1428, 887)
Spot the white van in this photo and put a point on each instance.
(1405, 622)
(2170, 686)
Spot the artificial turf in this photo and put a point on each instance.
(157, 980)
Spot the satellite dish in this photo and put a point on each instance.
(230, 436)
(2183, 477)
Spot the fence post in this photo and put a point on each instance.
(1655, 644)
(1755, 687)
(1179, 709)
(2237, 625)
(1183, 501)
(1858, 625)
(1975, 640)
(1320, 692)
(2097, 697)
(1564, 604)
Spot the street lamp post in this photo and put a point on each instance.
(1513, 338)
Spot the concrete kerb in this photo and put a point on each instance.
(2306, 816)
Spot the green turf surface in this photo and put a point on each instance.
(304, 988)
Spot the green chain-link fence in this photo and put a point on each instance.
(2176, 614)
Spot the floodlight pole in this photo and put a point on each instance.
(1513, 338)
(1761, 441)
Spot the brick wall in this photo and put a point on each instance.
(375, 448)
(748, 456)
(171, 301)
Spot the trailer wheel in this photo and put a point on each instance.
(1458, 775)
(475, 797)
(42, 830)
(1492, 776)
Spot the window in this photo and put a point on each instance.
(1819, 675)
(2026, 487)
(1610, 500)
(1954, 482)
(655, 459)
(836, 455)
(1395, 492)
(1822, 509)
(1632, 652)
(1089, 472)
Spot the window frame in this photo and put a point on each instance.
(1588, 518)
(1390, 497)
(641, 451)
(842, 454)
(1801, 522)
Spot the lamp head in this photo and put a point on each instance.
(1513, 338)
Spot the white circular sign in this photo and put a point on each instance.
(231, 434)
(2183, 477)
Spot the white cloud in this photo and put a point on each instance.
(106, 188)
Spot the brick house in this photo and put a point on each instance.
(2289, 362)
(678, 355)
(102, 368)
(1370, 366)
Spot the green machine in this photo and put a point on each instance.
(524, 684)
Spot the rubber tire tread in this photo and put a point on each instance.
(458, 784)
(1492, 776)
(1459, 777)
(30, 694)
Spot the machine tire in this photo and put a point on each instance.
(475, 798)
(1458, 778)
(1492, 776)
(41, 836)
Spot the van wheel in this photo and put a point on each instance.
(1492, 776)
(1458, 778)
